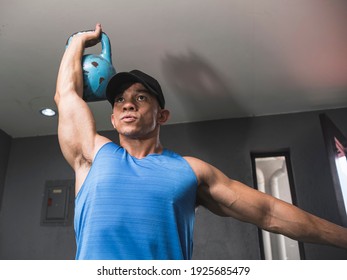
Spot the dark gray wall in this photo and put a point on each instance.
(5, 144)
(227, 144)
(33, 161)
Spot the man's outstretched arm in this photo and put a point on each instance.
(227, 197)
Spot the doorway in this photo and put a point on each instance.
(272, 175)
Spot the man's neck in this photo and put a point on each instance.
(140, 148)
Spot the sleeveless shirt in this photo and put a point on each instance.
(129, 208)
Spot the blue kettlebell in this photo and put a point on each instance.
(97, 71)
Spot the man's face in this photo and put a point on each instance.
(136, 113)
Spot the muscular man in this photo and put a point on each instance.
(136, 200)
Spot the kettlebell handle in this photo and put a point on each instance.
(106, 48)
(105, 45)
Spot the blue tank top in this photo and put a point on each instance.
(134, 209)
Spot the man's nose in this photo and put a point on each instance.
(129, 106)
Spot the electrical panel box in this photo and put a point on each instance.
(58, 203)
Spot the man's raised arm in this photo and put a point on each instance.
(76, 126)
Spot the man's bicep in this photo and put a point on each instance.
(227, 197)
(213, 192)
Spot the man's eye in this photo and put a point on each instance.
(141, 98)
(119, 100)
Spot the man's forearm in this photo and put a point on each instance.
(303, 226)
(70, 78)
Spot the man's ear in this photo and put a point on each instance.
(163, 116)
(112, 121)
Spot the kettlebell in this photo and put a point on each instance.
(97, 70)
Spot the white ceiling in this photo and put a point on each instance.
(214, 58)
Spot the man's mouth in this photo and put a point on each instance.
(128, 118)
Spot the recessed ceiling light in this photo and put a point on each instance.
(48, 112)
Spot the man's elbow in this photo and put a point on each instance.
(56, 97)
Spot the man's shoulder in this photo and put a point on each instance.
(194, 161)
(100, 142)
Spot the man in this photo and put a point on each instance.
(137, 200)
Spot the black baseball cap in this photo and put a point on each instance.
(134, 76)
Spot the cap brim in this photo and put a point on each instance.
(120, 79)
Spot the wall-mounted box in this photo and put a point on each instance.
(58, 203)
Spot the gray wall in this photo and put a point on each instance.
(33, 161)
(227, 144)
(5, 144)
